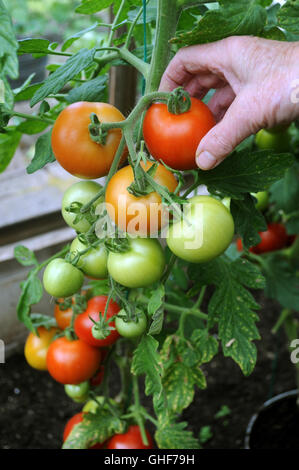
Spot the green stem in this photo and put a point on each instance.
(60, 253)
(282, 317)
(31, 116)
(137, 413)
(133, 60)
(131, 29)
(169, 268)
(293, 251)
(115, 22)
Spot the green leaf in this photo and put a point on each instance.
(39, 319)
(246, 172)
(25, 256)
(43, 153)
(72, 67)
(178, 386)
(8, 145)
(76, 36)
(155, 310)
(33, 46)
(32, 292)
(205, 434)
(206, 345)
(9, 65)
(88, 7)
(233, 18)
(146, 361)
(93, 429)
(32, 127)
(248, 220)
(174, 436)
(288, 16)
(232, 306)
(285, 192)
(27, 93)
(282, 282)
(93, 90)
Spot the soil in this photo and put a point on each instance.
(34, 408)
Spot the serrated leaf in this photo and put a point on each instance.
(244, 172)
(93, 90)
(234, 17)
(198, 377)
(43, 153)
(178, 386)
(32, 292)
(146, 361)
(69, 41)
(27, 93)
(24, 256)
(285, 192)
(155, 310)
(8, 145)
(32, 127)
(248, 220)
(9, 65)
(93, 429)
(282, 283)
(33, 46)
(175, 436)
(88, 7)
(72, 67)
(206, 345)
(232, 306)
(288, 16)
(39, 319)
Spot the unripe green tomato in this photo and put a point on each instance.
(62, 279)
(79, 393)
(278, 141)
(91, 406)
(82, 192)
(131, 329)
(94, 262)
(205, 231)
(262, 200)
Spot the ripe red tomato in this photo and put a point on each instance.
(83, 324)
(174, 138)
(72, 362)
(274, 238)
(72, 145)
(144, 214)
(130, 440)
(76, 419)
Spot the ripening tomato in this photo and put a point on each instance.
(72, 362)
(205, 231)
(72, 145)
(274, 238)
(83, 322)
(63, 317)
(174, 138)
(138, 215)
(36, 347)
(131, 439)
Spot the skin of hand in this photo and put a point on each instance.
(256, 82)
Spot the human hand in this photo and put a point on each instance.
(253, 78)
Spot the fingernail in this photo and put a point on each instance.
(205, 160)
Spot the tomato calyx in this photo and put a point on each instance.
(96, 132)
(117, 245)
(141, 185)
(179, 101)
(101, 329)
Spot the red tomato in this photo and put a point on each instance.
(72, 362)
(63, 317)
(83, 324)
(130, 440)
(274, 238)
(72, 145)
(76, 419)
(174, 138)
(124, 208)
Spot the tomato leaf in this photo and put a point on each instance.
(43, 153)
(232, 306)
(8, 145)
(146, 361)
(32, 127)
(95, 428)
(26, 93)
(232, 18)
(32, 292)
(8, 45)
(89, 7)
(72, 67)
(285, 192)
(25, 256)
(282, 282)
(178, 386)
(34, 46)
(155, 310)
(248, 220)
(175, 436)
(246, 172)
(38, 319)
(93, 90)
(206, 345)
(69, 41)
(288, 16)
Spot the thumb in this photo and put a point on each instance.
(238, 123)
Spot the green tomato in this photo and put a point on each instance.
(140, 266)
(205, 231)
(277, 140)
(130, 329)
(79, 393)
(62, 279)
(81, 192)
(94, 262)
(92, 406)
(262, 200)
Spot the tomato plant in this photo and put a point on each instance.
(72, 362)
(164, 303)
(141, 214)
(131, 439)
(37, 345)
(71, 139)
(95, 310)
(174, 138)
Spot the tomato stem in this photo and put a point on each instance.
(137, 413)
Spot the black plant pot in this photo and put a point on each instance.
(275, 425)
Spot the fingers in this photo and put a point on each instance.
(240, 121)
(220, 101)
